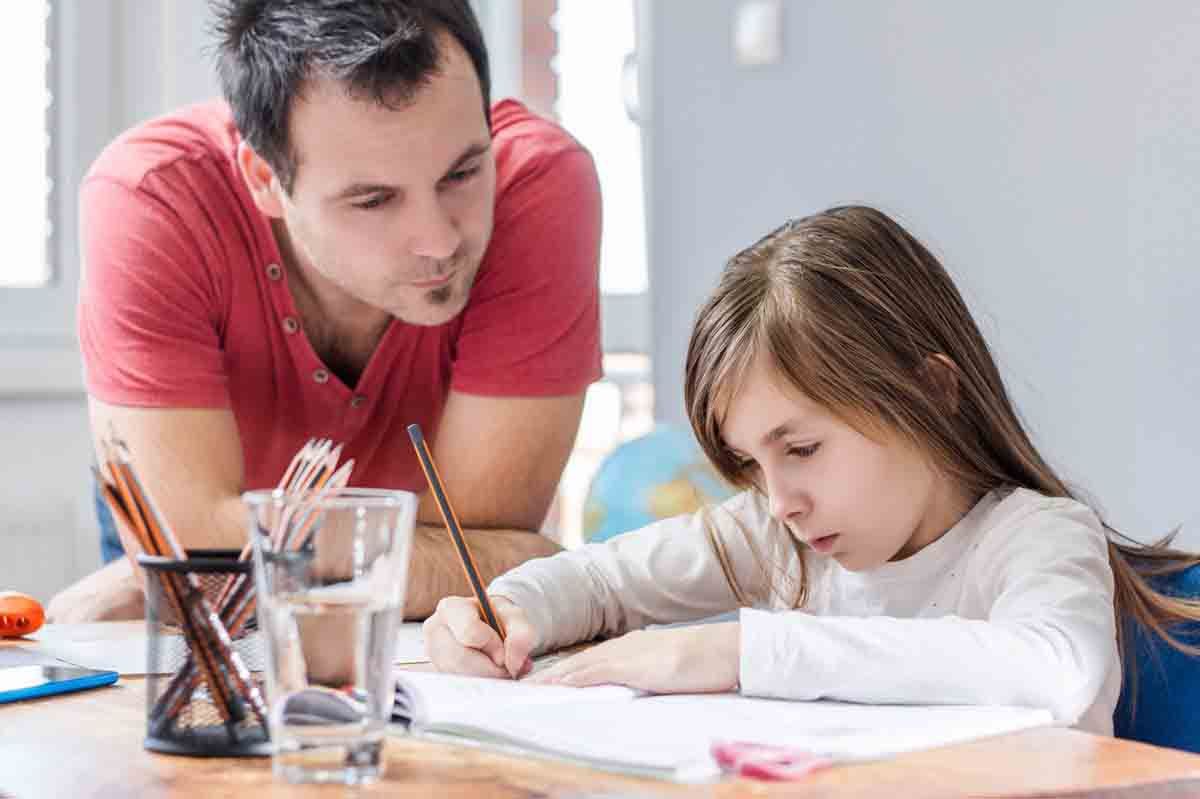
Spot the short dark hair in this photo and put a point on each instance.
(384, 50)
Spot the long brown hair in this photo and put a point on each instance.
(858, 315)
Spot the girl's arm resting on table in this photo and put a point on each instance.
(1049, 640)
(666, 572)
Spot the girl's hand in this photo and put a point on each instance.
(458, 640)
(699, 659)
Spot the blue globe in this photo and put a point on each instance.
(657, 476)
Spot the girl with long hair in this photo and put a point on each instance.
(899, 538)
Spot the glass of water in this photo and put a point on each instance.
(330, 575)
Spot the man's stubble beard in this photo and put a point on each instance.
(455, 293)
(443, 294)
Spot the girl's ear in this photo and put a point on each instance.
(941, 374)
(260, 180)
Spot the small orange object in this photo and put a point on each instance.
(20, 614)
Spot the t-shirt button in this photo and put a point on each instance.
(290, 325)
(357, 401)
(274, 271)
(321, 376)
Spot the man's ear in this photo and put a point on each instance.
(942, 375)
(260, 180)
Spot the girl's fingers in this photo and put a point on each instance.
(580, 674)
(448, 654)
(519, 639)
(602, 673)
(555, 674)
(461, 617)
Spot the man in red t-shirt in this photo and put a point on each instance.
(357, 241)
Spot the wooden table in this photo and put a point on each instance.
(90, 744)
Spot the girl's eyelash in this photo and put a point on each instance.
(804, 452)
(742, 464)
(371, 202)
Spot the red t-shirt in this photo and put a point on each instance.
(183, 303)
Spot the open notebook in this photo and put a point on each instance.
(670, 737)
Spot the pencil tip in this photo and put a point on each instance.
(414, 432)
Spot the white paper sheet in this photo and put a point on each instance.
(410, 645)
(125, 651)
(128, 656)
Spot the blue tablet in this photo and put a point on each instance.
(27, 682)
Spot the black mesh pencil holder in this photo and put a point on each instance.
(201, 698)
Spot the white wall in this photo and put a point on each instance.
(46, 525)
(48, 536)
(1047, 152)
(163, 50)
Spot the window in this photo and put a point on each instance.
(59, 120)
(570, 60)
(25, 207)
(594, 40)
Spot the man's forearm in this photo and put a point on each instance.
(436, 571)
(226, 528)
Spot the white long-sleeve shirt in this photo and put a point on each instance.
(1013, 605)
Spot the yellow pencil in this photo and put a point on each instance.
(460, 543)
